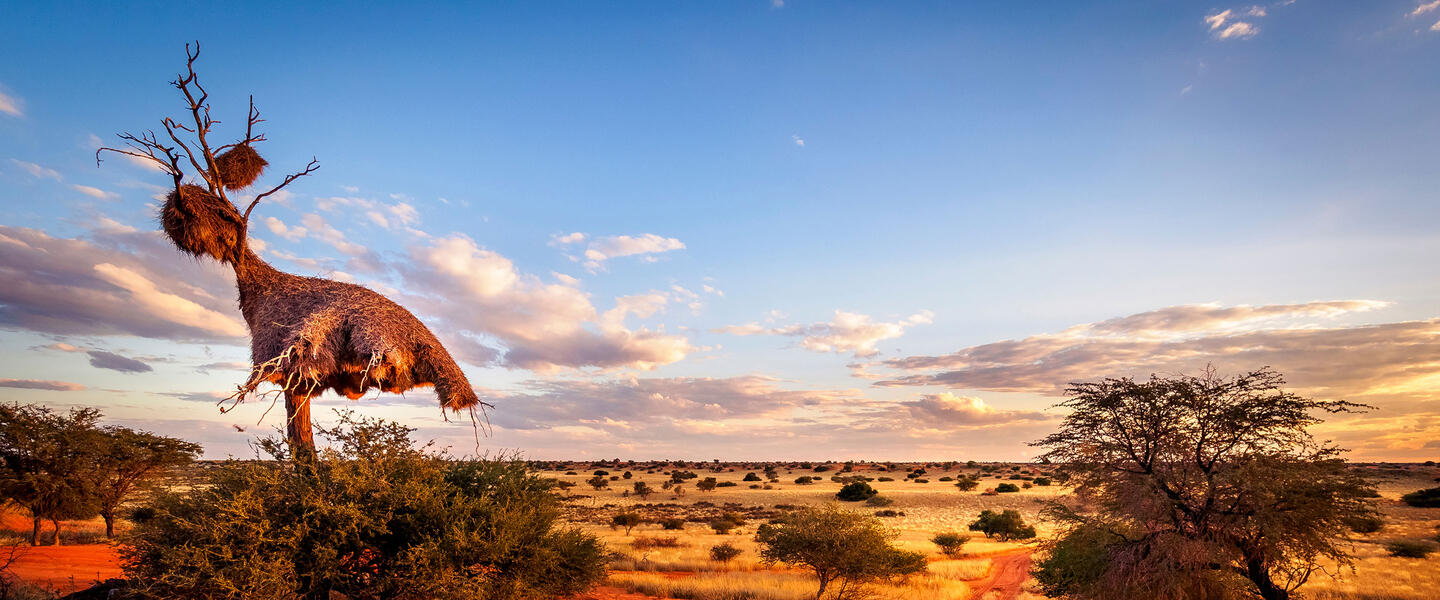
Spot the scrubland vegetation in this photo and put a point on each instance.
(374, 515)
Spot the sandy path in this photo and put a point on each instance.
(1008, 573)
(66, 568)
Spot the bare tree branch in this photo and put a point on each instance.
(310, 168)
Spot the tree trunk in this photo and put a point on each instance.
(109, 524)
(1256, 572)
(56, 523)
(298, 432)
(35, 533)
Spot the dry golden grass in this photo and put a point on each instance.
(938, 506)
(777, 586)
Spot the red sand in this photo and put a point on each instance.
(67, 568)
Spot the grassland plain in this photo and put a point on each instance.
(988, 568)
(922, 506)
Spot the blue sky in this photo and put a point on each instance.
(914, 221)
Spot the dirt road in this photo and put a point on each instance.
(1008, 573)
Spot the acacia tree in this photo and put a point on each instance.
(838, 546)
(127, 459)
(47, 462)
(1197, 487)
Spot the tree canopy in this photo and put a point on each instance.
(1197, 486)
(837, 545)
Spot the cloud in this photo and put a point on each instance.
(145, 296)
(480, 293)
(278, 227)
(11, 105)
(41, 384)
(566, 239)
(601, 249)
(847, 332)
(400, 215)
(119, 282)
(1224, 26)
(1387, 358)
(1425, 7)
(799, 141)
(37, 170)
(94, 192)
(1435, 27)
(654, 401)
(101, 359)
(947, 408)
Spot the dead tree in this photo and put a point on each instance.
(307, 334)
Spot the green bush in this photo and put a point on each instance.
(856, 491)
(804, 480)
(879, 501)
(1428, 498)
(724, 553)
(1007, 488)
(672, 524)
(1410, 548)
(370, 517)
(627, 521)
(951, 543)
(1042, 481)
(1005, 526)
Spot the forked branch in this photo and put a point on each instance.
(309, 168)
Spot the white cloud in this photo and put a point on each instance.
(11, 105)
(847, 332)
(480, 293)
(316, 225)
(605, 248)
(566, 239)
(1344, 360)
(1425, 7)
(278, 227)
(95, 192)
(37, 170)
(145, 296)
(798, 140)
(1224, 27)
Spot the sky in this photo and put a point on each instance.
(749, 230)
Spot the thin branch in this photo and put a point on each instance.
(310, 168)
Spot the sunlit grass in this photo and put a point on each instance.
(777, 586)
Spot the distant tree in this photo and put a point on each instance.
(966, 484)
(839, 546)
(672, 523)
(128, 459)
(1427, 498)
(724, 553)
(723, 526)
(48, 463)
(1004, 526)
(1203, 486)
(804, 480)
(627, 520)
(751, 477)
(599, 482)
(707, 484)
(951, 543)
(1006, 488)
(643, 490)
(856, 491)
(1410, 548)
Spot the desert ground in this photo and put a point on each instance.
(653, 562)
